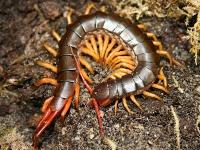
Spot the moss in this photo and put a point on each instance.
(165, 8)
(193, 9)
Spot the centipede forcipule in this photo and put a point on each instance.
(127, 49)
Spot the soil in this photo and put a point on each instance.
(26, 25)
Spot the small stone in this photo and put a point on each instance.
(77, 138)
(150, 142)
(198, 89)
(64, 130)
(91, 136)
(116, 126)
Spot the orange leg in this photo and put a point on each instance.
(133, 99)
(46, 81)
(66, 108)
(161, 77)
(56, 35)
(116, 107)
(160, 87)
(69, 17)
(124, 102)
(89, 8)
(94, 102)
(142, 27)
(51, 50)
(76, 95)
(48, 66)
(86, 64)
(152, 95)
(161, 51)
(46, 104)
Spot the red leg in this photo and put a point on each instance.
(48, 117)
(95, 104)
(80, 72)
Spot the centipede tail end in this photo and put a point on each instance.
(47, 119)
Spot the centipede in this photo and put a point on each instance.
(128, 50)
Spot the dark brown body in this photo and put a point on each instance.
(143, 76)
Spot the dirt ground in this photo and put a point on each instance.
(26, 25)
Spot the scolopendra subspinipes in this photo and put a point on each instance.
(128, 50)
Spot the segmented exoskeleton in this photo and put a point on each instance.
(131, 53)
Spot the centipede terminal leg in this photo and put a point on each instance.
(66, 108)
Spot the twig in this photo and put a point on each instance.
(176, 127)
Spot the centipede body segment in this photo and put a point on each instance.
(131, 53)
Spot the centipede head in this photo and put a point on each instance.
(102, 94)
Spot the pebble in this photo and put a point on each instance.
(198, 89)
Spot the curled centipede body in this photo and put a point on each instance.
(131, 53)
